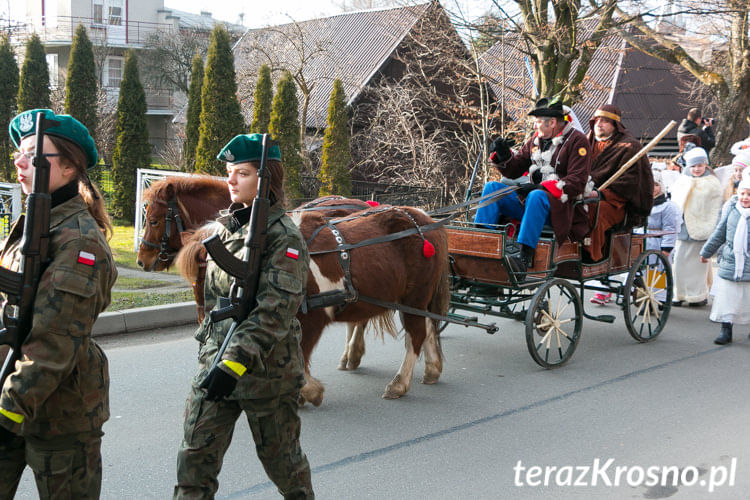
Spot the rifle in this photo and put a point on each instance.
(20, 287)
(245, 271)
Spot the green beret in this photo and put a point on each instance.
(71, 129)
(247, 147)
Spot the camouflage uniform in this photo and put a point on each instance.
(57, 399)
(267, 344)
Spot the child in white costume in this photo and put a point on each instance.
(698, 194)
(731, 289)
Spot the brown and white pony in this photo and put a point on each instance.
(396, 271)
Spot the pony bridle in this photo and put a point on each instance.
(172, 219)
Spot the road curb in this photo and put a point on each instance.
(145, 318)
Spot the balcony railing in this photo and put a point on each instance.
(156, 99)
(60, 30)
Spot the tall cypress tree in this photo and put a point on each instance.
(192, 128)
(81, 84)
(334, 172)
(263, 101)
(132, 149)
(8, 94)
(33, 90)
(284, 127)
(221, 118)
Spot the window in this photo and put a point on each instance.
(115, 16)
(98, 13)
(52, 65)
(107, 12)
(113, 71)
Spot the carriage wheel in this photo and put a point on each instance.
(553, 323)
(648, 295)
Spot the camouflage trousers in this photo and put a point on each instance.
(65, 467)
(209, 425)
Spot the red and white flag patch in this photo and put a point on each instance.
(86, 258)
(292, 253)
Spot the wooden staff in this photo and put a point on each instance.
(648, 147)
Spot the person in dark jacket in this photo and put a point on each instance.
(631, 193)
(53, 405)
(558, 159)
(261, 372)
(695, 124)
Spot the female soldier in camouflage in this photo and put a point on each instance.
(53, 405)
(261, 371)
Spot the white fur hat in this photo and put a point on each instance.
(744, 183)
(742, 158)
(695, 156)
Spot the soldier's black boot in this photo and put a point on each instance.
(725, 336)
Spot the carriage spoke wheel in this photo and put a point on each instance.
(553, 323)
(648, 295)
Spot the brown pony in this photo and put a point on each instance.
(394, 271)
(177, 205)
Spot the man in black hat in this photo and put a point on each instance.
(632, 193)
(558, 161)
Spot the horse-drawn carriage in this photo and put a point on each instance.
(549, 297)
(368, 262)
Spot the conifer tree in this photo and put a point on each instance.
(81, 84)
(263, 101)
(33, 89)
(8, 94)
(221, 118)
(334, 172)
(284, 128)
(132, 149)
(192, 128)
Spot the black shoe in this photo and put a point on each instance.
(676, 303)
(698, 304)
(517, 266)
(725, 337)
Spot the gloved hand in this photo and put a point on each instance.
(500, 150)
(525, 189)
(218, 384)
(5, 436)
(536, 177)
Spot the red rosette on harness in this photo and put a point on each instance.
(428, 250)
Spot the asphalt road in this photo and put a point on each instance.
(480, 432)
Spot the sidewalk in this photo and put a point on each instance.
(146, 318)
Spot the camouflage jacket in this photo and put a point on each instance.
(267, 343)
(61, 384)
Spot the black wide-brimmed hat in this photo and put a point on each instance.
(547, 107)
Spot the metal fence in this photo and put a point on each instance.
(11, 206)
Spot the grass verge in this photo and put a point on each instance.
(130, 300)
(126, 283)
(122, 247)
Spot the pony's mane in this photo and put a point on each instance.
(183, 185)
